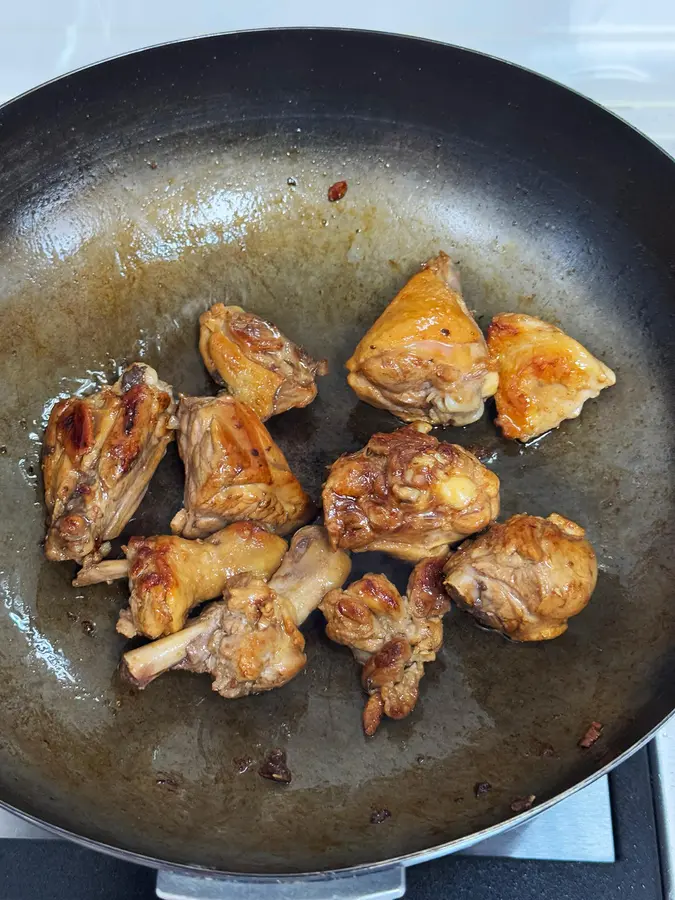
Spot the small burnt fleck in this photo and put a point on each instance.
(255, 452)
(23, 423)
(88, 627)
(481, 788)
(72, 616)
(372, 346)
(167, 782)
(480, 451)
(3, 450)
(274, 767)
(30, 470)
(523, 803)
(291, 182)
(547, 751)
(591, 735)
(337, 191)
(242, 764)
(378, 816)
(421, 759)
(152, 163)
(445, 331)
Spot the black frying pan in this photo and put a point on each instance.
(136, 192)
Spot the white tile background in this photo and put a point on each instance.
(620, 52)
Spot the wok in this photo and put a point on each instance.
(134, 193)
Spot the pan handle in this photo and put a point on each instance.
(382, 884)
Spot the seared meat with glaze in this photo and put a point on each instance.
(408, 494)
(256, 362)
(169, 576)
(390, 635)
(99, 455)
(524, 578)
(425, 358)
(545, 376)
(233, 471)
(249, 641)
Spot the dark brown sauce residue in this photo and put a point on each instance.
(378, 816)
(274, 767)
(523, 803)
(165, 781)
(242, 764)
(592, 734)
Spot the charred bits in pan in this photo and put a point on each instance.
(591, 735)
(523, 803)
(481, 788)
(275, 768)
(378, 816)
(337, 191)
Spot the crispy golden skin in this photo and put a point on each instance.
(525, 577)
(99, 455)
(256, 362)
(250, 640)
(390, 635)
(409, 495)
(169, 576)
(545, 376)
(425, 358)
(233, 471)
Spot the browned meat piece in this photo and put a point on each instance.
(233, 471)
(425, 359)
(426, 593)
(408, 494)
(99, 455)
(256, 362)
(250, 642)
(390, 635)
(545, 376)
(169, 576)
(524, 578)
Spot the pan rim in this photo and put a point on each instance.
(437, 850)
(330, 29)
(408, 859)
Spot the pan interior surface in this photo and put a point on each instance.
(129, 202)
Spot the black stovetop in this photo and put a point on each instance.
(54, 870)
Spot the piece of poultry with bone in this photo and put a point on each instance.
(169, 576)
(233, 471)
(408, 494)
(99, 454)
(258, 364)
(425, 358)
(545, 376)
(392, 636)
(250, 641)
(525, 577)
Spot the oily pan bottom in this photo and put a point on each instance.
(117, 266)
